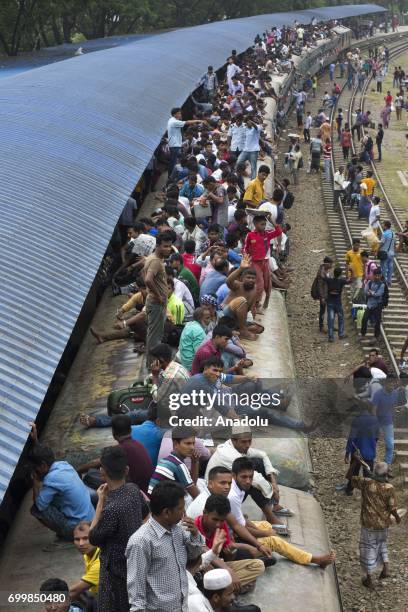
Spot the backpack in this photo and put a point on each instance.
(314, 290)
(288, 201)
(130, 399)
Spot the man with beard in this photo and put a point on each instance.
(241, 299)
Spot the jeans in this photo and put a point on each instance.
(174, 153)
(306, 135)
(336, 197)
(137, 417)
(322, 312)
(374, 314)
(379, 151)
(387, 268)
(252, 156)
(388, 433)
(332, 311)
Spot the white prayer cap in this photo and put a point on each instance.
(380, 469)
(238, 430)
(377, 374)
(217, 579)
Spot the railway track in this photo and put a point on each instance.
(345, 225)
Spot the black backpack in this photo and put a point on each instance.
(314, 290)
(288, 201)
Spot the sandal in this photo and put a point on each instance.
(247, 363)
(280, 530)
(283, 512)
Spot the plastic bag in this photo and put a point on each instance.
(371, 237)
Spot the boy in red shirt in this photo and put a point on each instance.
(257, 246)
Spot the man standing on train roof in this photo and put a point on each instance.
(175, 136)
(157, 290)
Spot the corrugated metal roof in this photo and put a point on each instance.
(74, 139)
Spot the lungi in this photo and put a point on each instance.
(373, 548)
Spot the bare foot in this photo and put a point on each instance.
(247, 335)
(96, 335)
(86, 420)
(325, 560)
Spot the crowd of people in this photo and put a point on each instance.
(158, 516)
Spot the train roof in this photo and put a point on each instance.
(75, 137)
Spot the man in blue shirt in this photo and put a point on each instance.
(387, 244)
(215, 278)
(149, 433)
(385, 400)
(61, 500)
(362, 441)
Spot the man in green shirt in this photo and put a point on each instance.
(193, 335)
(184, 274)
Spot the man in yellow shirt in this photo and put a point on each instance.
(355, 267)
(88, 585)
(255, 192)
(370, 184)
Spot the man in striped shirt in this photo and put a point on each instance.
(173, 466)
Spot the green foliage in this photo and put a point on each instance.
(28, 24)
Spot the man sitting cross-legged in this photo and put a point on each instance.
(244, 571)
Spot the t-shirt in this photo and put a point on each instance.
(91, 575)
(190, 280)
(385, 404)
(370, 184)
(193, 335)
(210, 539)
(171, 468)
(355, 263)
(212, 283)
(255, 192)
(139, 462)
(143, 245)
(150, 435)
(174, 133)
(334, 289)
(155, 265)
(189, 262)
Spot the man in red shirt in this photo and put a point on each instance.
(212, 521)
(257, 246)
(220, 336)
(388, 99)
(189, 258)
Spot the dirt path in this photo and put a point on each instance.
(327, 364)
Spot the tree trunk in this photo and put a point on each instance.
(3, 41)
(56, 31)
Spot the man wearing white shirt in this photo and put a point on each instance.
(236, 136)
(251, 147)
(175, 135)
(232, 70)
(374, 217)
(307, 126)
(338, 189)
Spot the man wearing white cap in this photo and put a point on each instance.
(378, 503)
(219, 592)
(264, 483)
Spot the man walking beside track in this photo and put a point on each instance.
(378, 504)
(156, 282)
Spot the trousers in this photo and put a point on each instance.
(282, 547)
(156, 317)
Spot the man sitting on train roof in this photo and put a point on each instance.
(61, 500)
